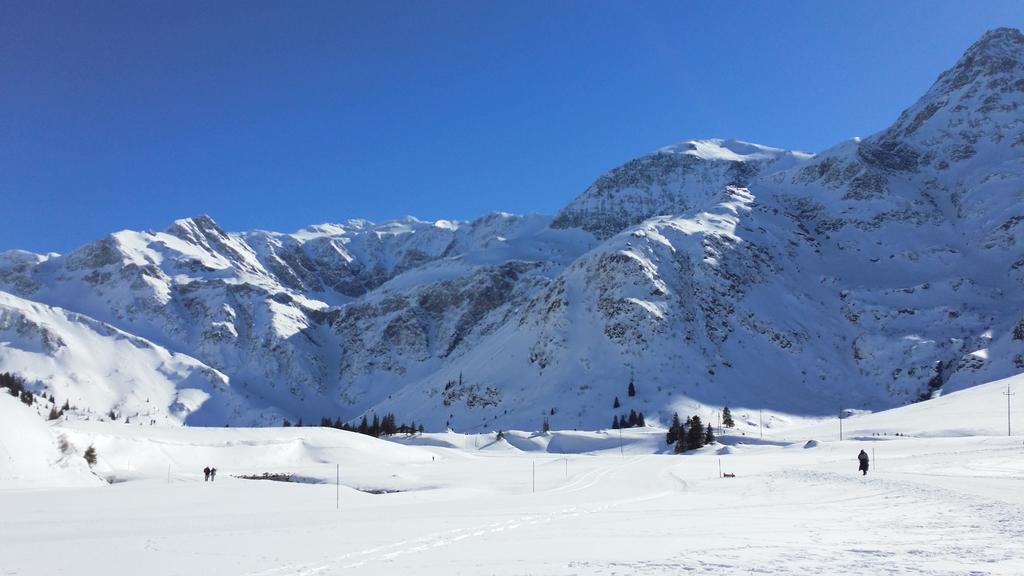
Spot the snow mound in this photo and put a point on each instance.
(29, 452)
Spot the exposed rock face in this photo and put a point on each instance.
(710, 273)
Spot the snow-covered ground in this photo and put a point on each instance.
(943, 497)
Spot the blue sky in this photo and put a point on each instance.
(276, 115)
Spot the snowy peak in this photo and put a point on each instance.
(679, 179)
(975, 104)
(731, 150)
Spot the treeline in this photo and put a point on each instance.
(634, 420)
(689, 435)
(377, 427)
(16, 386)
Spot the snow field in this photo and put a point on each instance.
(942, 502)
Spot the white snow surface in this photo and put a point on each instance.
(942, 498)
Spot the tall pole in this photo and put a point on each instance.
(1008, 394)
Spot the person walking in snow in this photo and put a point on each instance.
(213, 474)
(206, 474)
(863, 457)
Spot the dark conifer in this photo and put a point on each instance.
(673, 430)
(709, 436)
(616, 403)
(632, 389)
(695, 434)
(90, 455)
(615, 422)
(681, 442)
(727, 418)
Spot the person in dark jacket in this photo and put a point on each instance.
(213, 474)
(206, 474)
(863, 457)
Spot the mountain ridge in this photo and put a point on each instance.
(710, 272)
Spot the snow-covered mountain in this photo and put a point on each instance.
(710, 273)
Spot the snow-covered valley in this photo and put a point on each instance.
(943, 497)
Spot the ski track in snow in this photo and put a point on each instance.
(388, 552)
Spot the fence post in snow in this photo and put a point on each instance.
(1008, 394)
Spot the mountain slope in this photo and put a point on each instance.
(710, 273)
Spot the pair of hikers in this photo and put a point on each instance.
(863, 457)
(210, 474)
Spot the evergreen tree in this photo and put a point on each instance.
(54, 414)
(727, 418)
(640, 420)
(695, 434)
(15, 384)
(616, 403)
(631, 391)
(615, 422)
(363, 427)
(673, 430)
(90, 455)
(299, 423)
(421, 428)
(681, 441)
(546, 426)
(632, 419)
(709, 436)
(287, 423)
(375, 426)
(27, 397)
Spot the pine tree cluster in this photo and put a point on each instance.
(16, 386)
(689, 435)
(376, 427)
(634, 420)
